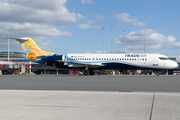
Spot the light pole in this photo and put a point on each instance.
(8, 47)
(144, 40)
(112, 37)
(102, 40)
(124, 42)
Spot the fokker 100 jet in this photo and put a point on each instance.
(90, 62)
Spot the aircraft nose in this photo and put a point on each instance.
(175, 64)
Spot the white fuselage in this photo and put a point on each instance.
(154, 61)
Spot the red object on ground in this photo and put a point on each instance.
(75, 73)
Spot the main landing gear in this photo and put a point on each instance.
(86, 72)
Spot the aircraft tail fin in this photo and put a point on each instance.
(31, 49)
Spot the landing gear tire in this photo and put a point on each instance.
(91, 73)
(85, 72)
(157, 74)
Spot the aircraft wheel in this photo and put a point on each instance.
(157, 73)
(91, 72)
(85, 72)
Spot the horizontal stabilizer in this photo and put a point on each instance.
(21, 40)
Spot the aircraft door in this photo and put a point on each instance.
(155, 61)
(64, 58)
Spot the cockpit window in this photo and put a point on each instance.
(163, 58)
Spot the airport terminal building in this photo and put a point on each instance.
(44, 69)
(35, 67)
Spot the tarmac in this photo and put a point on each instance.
(80, 104)
(83, 105)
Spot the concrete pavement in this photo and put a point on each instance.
(84, 105)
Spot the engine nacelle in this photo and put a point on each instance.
(55, 58)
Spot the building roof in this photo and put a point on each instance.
(11, 54)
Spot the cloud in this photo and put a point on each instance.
(90, 21)
(26, 29)
(38, 11)
(87, 1)
(139, 24)
(31, 28)
(38, 18)
(87, 26)
(98, 17)
(154, 41)
(125, 18)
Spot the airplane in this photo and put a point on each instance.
(90, 62)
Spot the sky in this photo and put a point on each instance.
(75, 26)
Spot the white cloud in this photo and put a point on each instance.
(87, 26)
(31, 28)
(87, 1)
(83, 1)
(139, 24)
(135, 41)
(98, 17)
(90, 1)
(38, 11)
(90, 21)
(125, 18)
(38, 18)
(26, 29)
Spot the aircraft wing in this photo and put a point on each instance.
(62, 59)
(74, 64)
